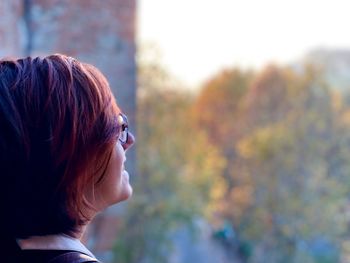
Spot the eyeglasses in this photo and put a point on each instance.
(124, 128)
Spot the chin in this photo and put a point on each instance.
(127, 190)
(128, 193)
(125, 194)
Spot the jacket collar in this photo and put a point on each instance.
(54, 242)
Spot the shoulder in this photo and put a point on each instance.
(55, 256)
(73, 257)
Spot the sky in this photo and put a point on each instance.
(198, 38)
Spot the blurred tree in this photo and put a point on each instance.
(296, 198)
(263, 156)
(217, 106)
(217, 112)
(284, 136)
(178, 171)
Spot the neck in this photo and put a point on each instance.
(80, 232)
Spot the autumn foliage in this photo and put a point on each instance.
(264, 155)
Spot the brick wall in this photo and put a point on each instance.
(12, 29)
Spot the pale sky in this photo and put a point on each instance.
(197, 38)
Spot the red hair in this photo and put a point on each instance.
(61, 115)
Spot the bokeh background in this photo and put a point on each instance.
(242, 115)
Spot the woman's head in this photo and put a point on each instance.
(58, 131)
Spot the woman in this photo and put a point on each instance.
(62, 152)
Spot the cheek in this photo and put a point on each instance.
(115, 186)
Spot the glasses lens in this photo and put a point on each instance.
(123, 123)
(124, 135)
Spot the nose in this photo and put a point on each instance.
(130, 142)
